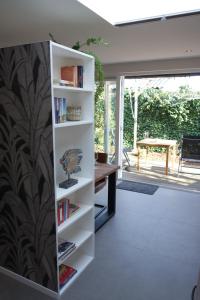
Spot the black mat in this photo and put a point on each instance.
(98, 209)
(138, 187)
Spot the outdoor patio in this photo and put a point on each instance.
(152, 170)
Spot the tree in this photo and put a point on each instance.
(163, 114)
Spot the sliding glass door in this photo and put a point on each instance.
(105, 121)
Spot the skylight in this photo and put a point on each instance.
(130, 11)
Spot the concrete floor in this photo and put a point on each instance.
(149, 250)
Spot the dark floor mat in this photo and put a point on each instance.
(138, 187)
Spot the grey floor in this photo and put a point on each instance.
(149, 251)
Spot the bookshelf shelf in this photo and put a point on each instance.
(38, 150)
(82, 182)
(73, 123)
(72, 89)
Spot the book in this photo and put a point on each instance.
(63, 110)
(56, 107)
(66, 208)
(60, 212)
(69, 73)
(60, 106)
(72, 208)
(65, 273)
(80, 76)
(66, 83)
(65, 248)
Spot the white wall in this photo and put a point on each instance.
(156, 67)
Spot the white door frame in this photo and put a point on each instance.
(119, 122)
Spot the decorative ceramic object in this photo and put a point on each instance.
(70, 162)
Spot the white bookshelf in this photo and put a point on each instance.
(38, 144)
(79, 227)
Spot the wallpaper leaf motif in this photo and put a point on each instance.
(27, 201)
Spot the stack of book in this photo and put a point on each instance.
(65, 273)
(65, 209)
(65, 248)
(73, 75)
(60, 105)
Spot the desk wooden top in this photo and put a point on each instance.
(103, 170)
(157, 143)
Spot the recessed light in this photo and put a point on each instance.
(188, 51)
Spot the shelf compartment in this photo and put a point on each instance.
(80, 262)
(84, 209)
(79, 238)
(73, 123)
(82, 182)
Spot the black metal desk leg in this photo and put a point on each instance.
(112, 193)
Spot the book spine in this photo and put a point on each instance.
(80, 76)
(64, 109)
(75, 76)
(67, 208)
(61, 110)
(58, 214)
(62, 211)
(56, 109)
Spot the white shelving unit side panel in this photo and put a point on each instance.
(54, 161)
(29, 283)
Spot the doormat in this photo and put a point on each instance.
(138, 187)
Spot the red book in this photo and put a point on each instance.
(65, 273)
(58, 214)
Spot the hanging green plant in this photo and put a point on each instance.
(99, 73)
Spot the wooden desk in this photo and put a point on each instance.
(110, 171)
(168, 144)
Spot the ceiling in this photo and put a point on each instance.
(25, 21)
